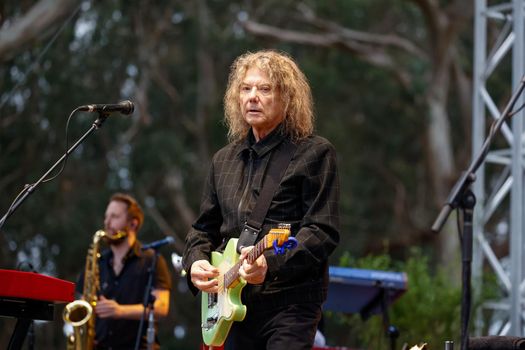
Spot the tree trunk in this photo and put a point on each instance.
(33, 25)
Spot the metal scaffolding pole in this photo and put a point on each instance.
(498, 219)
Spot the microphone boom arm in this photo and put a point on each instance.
(469, 176)
(29, 189)
(461, 196)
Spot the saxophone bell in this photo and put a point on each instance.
(77, 312)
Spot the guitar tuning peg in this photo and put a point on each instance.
(283, 225)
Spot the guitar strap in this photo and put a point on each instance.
(276, 170)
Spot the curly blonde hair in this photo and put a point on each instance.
(287, 78)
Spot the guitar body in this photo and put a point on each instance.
(219, 311)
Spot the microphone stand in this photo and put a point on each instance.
(148, 303)
(29, 189)
(462, 197)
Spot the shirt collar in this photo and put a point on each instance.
(134, 250)
(265, 145)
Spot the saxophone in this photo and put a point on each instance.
(79, 313)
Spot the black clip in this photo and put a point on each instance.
(248, 237)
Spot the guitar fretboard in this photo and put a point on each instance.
(233, 273)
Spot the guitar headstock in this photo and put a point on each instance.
(279, 238)
(279, 234)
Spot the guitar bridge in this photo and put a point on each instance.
(210, 323)
(213, 313)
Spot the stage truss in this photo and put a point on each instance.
(499, 67)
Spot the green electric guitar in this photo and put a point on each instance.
(220, 310)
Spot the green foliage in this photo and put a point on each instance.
(429, 311)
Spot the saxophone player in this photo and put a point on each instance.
(123, 271)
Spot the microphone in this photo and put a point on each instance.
(124, 107)
(158, 244)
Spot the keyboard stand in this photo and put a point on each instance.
(367, 292)
(25, 312)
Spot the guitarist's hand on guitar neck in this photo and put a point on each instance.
(203, 276)
(253, 273)
(220, 309)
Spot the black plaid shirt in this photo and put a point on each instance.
(307, 198)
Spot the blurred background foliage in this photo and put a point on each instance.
(390, 79)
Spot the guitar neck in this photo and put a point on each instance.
(233, 273)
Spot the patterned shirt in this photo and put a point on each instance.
(307, 198)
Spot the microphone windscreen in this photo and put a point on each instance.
(129, 107)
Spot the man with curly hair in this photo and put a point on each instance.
(268, 105)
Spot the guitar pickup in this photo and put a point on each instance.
(212, 300)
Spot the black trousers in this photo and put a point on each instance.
(291, 327)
